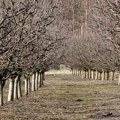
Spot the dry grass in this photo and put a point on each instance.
(56, 72)
(67, 97)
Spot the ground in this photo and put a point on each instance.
(67, 97)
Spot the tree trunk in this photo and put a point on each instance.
(88, 74)
(43, 77)
(1, 93)
(85, 74)
(100, 75)
(92, 74)
(81, 74)
(119, 79)
(77, 72)
(96, 75)
(11, 90)
(73, 72)
(107, 75)
(19, 88)
(36, 81)
(26, 86)
(40, 77)
(104, 75)
(16, 88)
(33, 82)
(113, 75)
(29, 85)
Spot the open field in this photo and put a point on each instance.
(67, 97)
(61, 71)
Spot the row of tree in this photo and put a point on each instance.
(94, 74)
(97, 45)
(32, 40)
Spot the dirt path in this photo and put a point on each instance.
(66, 97)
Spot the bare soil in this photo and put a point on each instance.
(67, 97)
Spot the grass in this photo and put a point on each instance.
(67, 97)
(61, 71)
